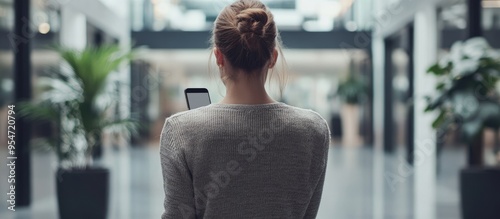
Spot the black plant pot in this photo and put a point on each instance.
(83, 193)
(480, 192)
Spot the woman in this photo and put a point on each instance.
(248, 156)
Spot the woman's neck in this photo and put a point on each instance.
(248, 91)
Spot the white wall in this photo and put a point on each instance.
(73, 32)
(112, 20)
(425, 55)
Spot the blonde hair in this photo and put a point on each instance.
(245, 32)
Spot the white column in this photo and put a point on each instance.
(73, 31)
(378, 52)
(125, 44)
(425, 54)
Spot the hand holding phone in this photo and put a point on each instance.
(197, 97)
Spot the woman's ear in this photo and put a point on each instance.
(219, 57)
(274, 58)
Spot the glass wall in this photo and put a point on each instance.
(196, 15)
(6, 14)
(454, 15)
(160, 77)
(401, 99)
(451, 149)
(491, 15)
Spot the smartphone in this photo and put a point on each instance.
(197, 97)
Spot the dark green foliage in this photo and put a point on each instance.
(352, 90)
(466, 89)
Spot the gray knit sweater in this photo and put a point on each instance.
(244, 161)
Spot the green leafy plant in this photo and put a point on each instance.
(79, 97)
(466, 90)
(352, 90)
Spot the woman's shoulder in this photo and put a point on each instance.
(184, 117)
(308, 114)
(314, 120)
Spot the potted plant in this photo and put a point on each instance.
(468, 101)
(78, 99)
(352, 92)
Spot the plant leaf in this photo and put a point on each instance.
(436, 69)
(40, 111)
(439, 120)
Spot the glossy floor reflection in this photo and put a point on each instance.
(356, 186)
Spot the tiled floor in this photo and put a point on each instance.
(356, 186)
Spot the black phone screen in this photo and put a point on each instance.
(197, 97)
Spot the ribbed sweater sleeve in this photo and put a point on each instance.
(313, 207)
(179, 195)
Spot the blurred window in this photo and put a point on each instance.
(199, 15)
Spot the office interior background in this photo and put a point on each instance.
(385, 161)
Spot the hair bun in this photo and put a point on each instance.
(252, 20)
